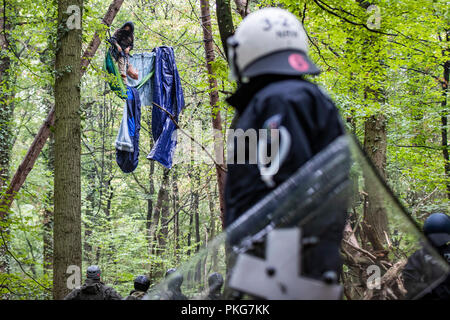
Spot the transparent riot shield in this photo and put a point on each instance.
(333, 230)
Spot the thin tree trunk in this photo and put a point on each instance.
(89, 215)
(151, 189)
(191, 214)
(163, 207)
(225, 22)
(212, 225)
(213, 101)
(150, 200)
(175, 208)
(6, 105)
(242, 6)
(444, 121)
(155, 227)
(189, 237)
(157, 239)
(196, 212)
(6, 116)
(47, 226)
(48, 213)
(67, 214)
(39, 140)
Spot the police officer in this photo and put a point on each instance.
(93, 288)
(422, 269)
(269, 57)
(173, 292)
(141, 285)
(215, 283)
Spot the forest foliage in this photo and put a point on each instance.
(389, 61)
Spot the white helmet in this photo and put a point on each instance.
(269, 41)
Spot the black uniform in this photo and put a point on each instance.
(421, 271)
(136, 295)
(173, 291)
(173, 294)
(93, 290)
(313, 122)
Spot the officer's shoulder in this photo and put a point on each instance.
(324, 92)
(289, 88)
(275, 93)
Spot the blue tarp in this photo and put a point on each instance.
(168, 93)
(123, 140)
(144, 64)
(128, 158)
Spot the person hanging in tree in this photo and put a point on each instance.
(123, 41)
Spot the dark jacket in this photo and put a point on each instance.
(313, 122)
(136, 295)
(93, 290)
(214, 296)
(173, 295)
(305, 111)
(123, 37)
(420, 274)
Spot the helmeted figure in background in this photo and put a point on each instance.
(269, 58)
(173, 291)
(215, 283)
(93, 288)
(141, 285)
(422, 268)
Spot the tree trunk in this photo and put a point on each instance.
(444, 122)
(67, 213)
(157, 238)
(225, 22)
(163, 208)
(48, 60)
(242, 6)
(375, 219)
(39, 140)
(89, 216)
(175, 207)
(6, 116)
(6, 105)
(213, 101)
(212, 225)
(48, 213)
(151, 192)
(196, 212)
(375, 140)
(189, 237)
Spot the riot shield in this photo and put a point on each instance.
(333, 230)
